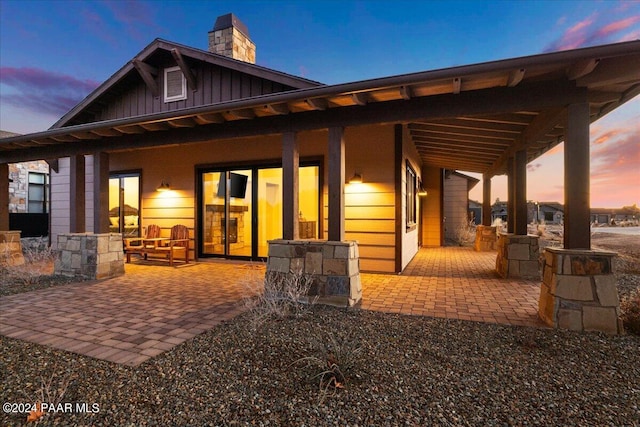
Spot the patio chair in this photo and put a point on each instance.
(177, 245)
(136, 245)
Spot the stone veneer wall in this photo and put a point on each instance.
(90, 256)
(333, 266)
(486, 238)
(579, 291)
(231, 43)
(518, 256)
(10, 248)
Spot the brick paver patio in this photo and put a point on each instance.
(153, 308)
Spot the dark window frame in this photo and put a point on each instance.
(43, 204)
(411, 195)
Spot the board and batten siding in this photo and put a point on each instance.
(215, 84)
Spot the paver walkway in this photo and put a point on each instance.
(152, 308)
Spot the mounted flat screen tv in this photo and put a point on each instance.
(238, 185)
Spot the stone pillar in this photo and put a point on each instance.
(90, 256)
(518, 257)
(486, 237)
(333, 267)
(10, 248)
(579, 291)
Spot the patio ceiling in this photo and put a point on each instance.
(469, 118)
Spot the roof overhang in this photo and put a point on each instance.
(470, 118)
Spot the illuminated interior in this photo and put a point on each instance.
(232, 191)
(124, 204)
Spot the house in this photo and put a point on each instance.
(475, 212)
(28, 203)
(547, 212)
(249, 154)
(456, 203)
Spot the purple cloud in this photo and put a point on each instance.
(43, 91)
(598, 28)
(135, 17)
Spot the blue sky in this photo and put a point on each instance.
(53, 53)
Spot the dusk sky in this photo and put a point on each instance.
(54, 53)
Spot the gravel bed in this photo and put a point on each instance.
(399, 371)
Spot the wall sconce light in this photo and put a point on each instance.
(164, 186)
(356, 178)
(421, 191)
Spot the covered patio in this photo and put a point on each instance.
(132, 318)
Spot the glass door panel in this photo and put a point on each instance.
(124, 205)
(227, 193)
(269, 208)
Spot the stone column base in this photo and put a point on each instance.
(90, 256)
(334, 268)
(518, 257)
(579, 291)
(11, 248)
(485, 238)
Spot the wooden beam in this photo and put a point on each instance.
(515, 77)
(282, 108)
(454, 139)
(130, 130)
(53, 164)
(107, 132)
(336, 184)
(184, 122)
(577, 227)
(317, 103)
(511, 195)
(399, 173)
(405, 92)
(85, 135)
(462, 123)
(147, 72)
(208, 118)
(77, 216)
(486, 200)
(520, 193)
(65, 138)
(290, 186)
(582, 68)
(155, 126)
(101, 192)
(243, 114)
(360, 98)
(457, 82)
(186, 71)
(4, 196)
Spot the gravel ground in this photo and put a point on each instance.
(398, 370)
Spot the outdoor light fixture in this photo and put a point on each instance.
(164, 186)
(421, 191)
(356, 178)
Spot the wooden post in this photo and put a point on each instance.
(290, 186)
(4, 197)
(101, 192)
(77, 215)
(486, 200)
(336, 184)
(577, 227)
(511, 214)
(520, 190)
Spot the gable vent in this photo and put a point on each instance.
(175, 85)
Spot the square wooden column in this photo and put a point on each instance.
(336, 184)
(290, 186)
(520, 190)
(77, 215)
(511, 195)
(486, 200)
(101, 192)
(4, 197)
(577, 200)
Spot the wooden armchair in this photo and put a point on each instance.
(177, 245)
(136, 245)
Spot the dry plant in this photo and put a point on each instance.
(277, 295)
(336, 358)
(37, 263)
(51, 392)
(630, 312)
(465, 232)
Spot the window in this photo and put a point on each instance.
(412, 184)
(37, 193)
(175, 85)
(124, 204)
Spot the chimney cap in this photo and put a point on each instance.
(230, 20)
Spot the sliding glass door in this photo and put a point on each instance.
(124, 204)
(241, 209)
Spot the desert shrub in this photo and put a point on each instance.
(37, 261)
(630, 308)
(465, 232)
(278, 295)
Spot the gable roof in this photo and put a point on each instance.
(471, 117)
(159, 45)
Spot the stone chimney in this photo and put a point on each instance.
(230, 37)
